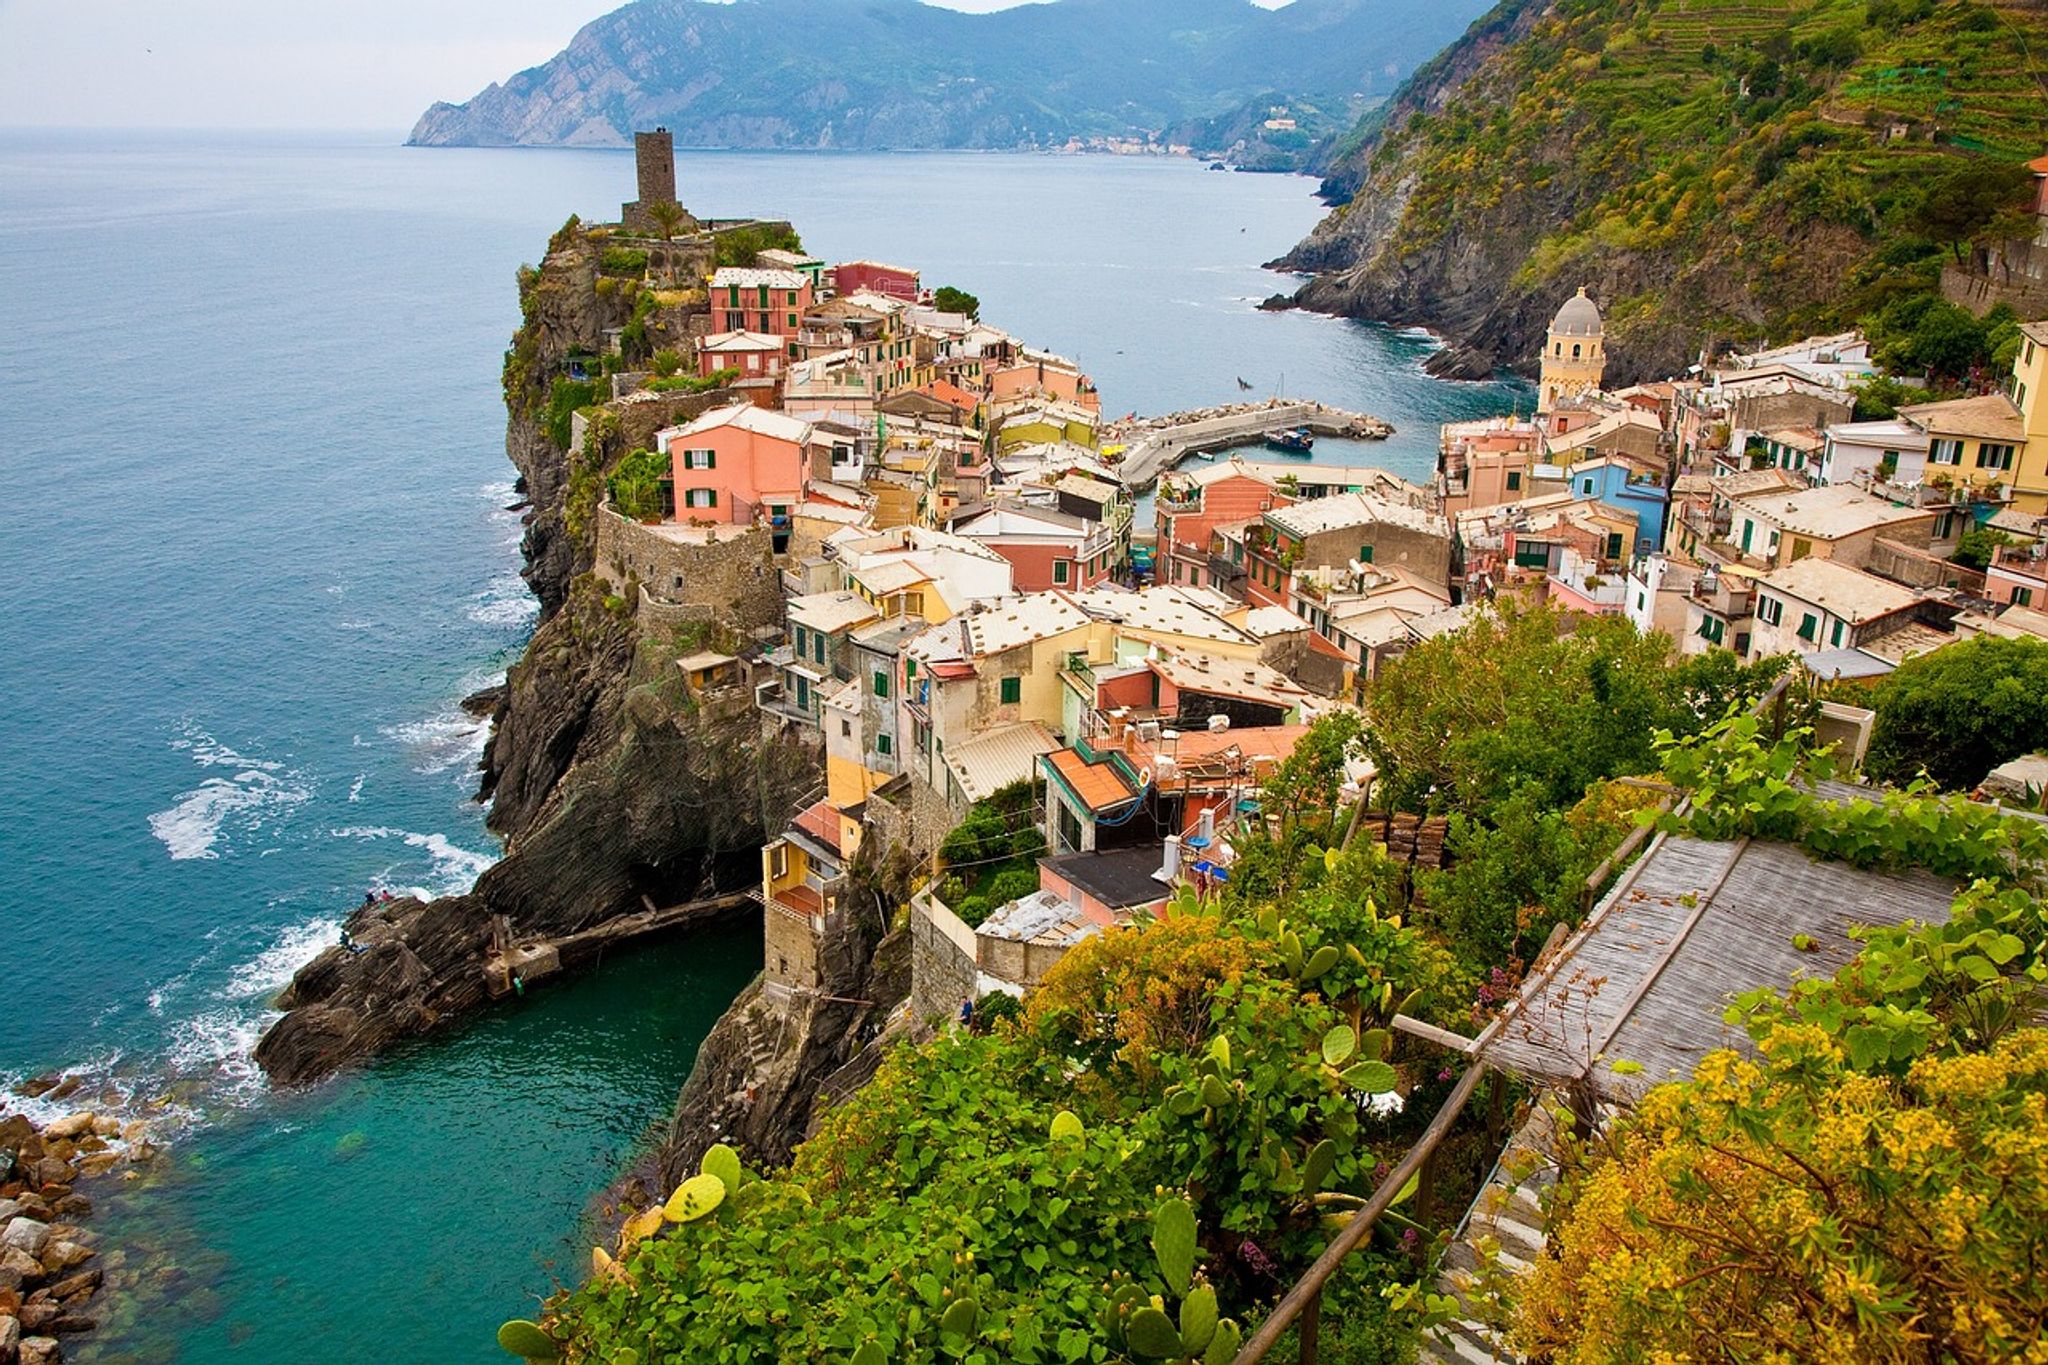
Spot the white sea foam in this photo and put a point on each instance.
(296, 945)
(355, 789)
(505, 602)
(440, 742)
(452, 869)
(218, 807)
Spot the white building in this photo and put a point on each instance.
(1856, 450)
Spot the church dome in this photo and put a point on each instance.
(1580, 317)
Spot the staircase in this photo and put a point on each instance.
(1505, 1228)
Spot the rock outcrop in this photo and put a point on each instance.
(614, 791)
(1712, 173)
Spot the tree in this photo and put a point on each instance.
(947, 299)
(1961, 711)
(1975, 546)
(1510, 880)
(1975, 201)
(668, 217)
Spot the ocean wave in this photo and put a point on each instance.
(452, 868)
(505, 602)
(218, 807)
(266, 973)
(442, 741)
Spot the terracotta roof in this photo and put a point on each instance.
(1101, 786)
(952, 395)
(821, 822)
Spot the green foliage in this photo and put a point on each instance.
(1527, 695)
(741, 245)
(1975, 546)
(1780, 150)
(947, 299)
(1512, 877)
(565, 398)
(994, 853)
(1961, 711)
(623, 262)
(666, 363)
(527, 1341)
(694, 383)
(635, 484)
(975, 1199)
(1923, 333)
(1880, 397)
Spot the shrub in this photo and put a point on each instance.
(622, 260)
(1959, 712)
(667, 362)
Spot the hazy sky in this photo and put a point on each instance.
(359, 64)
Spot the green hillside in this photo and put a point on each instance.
(1715, 169)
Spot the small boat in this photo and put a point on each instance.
(1294, 440)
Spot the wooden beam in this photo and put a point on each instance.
(1442, 1037)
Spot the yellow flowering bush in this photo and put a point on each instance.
(1793, 1208)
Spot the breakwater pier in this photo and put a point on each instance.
(1154, 445)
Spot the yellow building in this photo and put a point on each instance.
(2030, 396)
(1574, 355)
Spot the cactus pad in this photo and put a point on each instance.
(723, 1162)
(694, 1198)
(1173, 1242)
(525, 1340)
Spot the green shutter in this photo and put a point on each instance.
(881, 683)
(1365, 554)
(882, 744)
(1835, 637)
(1013, 691)
(1809, 626)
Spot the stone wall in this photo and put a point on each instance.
(734, 576)
(910, 815)
(942, 970)
(660, 614)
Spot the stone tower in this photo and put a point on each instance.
(654, 158)
(1574, 354)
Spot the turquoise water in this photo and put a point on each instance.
(256, 548)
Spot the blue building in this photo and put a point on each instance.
(1631, 489)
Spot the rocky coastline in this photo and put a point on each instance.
(51, 1266)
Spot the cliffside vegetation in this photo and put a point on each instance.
(1715, 170)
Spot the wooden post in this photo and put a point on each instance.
(1496, 1112)
(1312, 1328)
(1425, 1198)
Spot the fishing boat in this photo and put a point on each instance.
(1293, 440)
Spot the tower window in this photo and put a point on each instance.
(1575, 350)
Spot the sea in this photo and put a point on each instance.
(258, 542)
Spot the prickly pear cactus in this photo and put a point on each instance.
(527, 1341)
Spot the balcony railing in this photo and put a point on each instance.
(773, 699)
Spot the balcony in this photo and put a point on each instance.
(773, 699)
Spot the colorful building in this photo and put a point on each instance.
(736, 465)
(891, 281)
(771, 302)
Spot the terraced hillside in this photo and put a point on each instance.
(1711, 169)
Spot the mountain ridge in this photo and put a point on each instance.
(875, 74)
(1713, 170)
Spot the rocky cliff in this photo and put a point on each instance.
(1712, 170)
(613, 789)
(898, 74)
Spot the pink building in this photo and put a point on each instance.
(1036, 375)
(891, 281)
(771, 302)
(1047, 549)
(736, 465)
(2018, 574)
(1193, 503)
(756, 356)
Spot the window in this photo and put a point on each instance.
(1809, 626)
(1514, 479)
(732, 296)
(818, 647)
(883, 745)
(700, 497)
(1012, 690)
(846, 729)
(1585, 485)
(803, 642)
(1770, 610)
(910, 669)
(1614, 545)
(1801, 547)
(791, 319)
(761, 294)
(700, 459)
(1945, 451)
(1061, 568)
(778, 859)
(1365, 554)
(1944, 525)
(2023, 597)
(881, 683)
(1835, 635)
(1991, 456)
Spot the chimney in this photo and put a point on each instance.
(1170, 871)
(1207, 824)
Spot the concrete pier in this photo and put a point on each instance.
(1156, 444)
